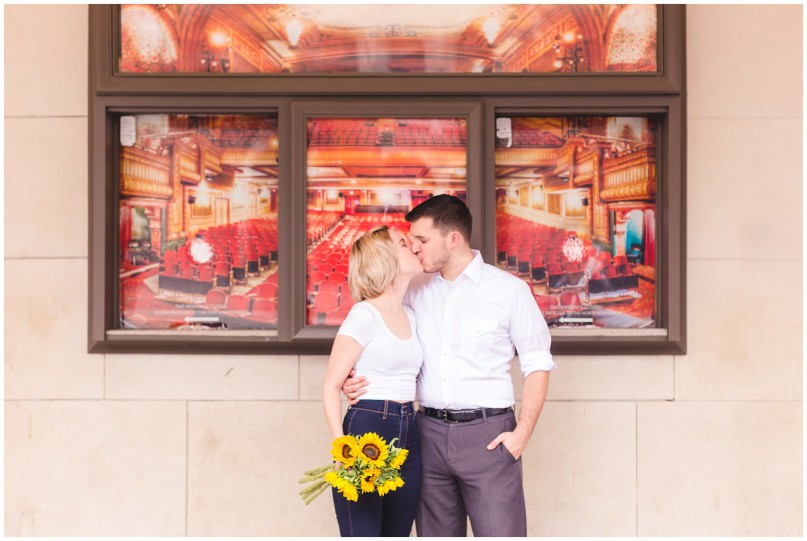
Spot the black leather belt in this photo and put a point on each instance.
(463, 416)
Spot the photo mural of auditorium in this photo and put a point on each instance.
(576, 203)
(198, 222)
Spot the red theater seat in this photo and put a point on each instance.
(223, 275)
(621, 263)
(328, 286)
(216, 298)
(337, 277)
(547, 303)
(264, 310)
(604, 258)
(316, 277)
(556, 278)
(267, 290)
(189, 272)
(574, 273)
(239, 268)
(570, 302)
(326, 302)
(206, 274)
(237, 303)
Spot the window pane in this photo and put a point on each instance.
(364, 172)
(576, 216)
(481, 38)
(198, 222)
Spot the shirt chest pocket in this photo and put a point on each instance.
(475, 333)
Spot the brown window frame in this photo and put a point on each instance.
(293, 97)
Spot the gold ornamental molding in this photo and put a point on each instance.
(630, 177)
(530, 157)
(585, 170)
(633, 191)
(145, 174)
(249, 157)
(454, 157)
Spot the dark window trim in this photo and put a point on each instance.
(291, 97)
(301, 110)
(671, 210)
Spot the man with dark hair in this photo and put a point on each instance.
(471, 319)
(447, 213)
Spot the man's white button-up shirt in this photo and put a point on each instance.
(470, 330)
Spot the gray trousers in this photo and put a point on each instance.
(461, 479)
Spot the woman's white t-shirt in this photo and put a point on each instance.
(391, 364)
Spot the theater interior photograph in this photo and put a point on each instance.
(570, 194)
(575, 212)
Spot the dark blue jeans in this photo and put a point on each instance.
(391, 515)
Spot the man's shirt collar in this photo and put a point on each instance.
(473, 270)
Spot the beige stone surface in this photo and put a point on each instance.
(720, 469)
(48, 217)
(744, 61)
(606, 378)
(244, 460)
(46, 52)
(576, 378)
(580, 470)
(726, 220)
(202, 377)
(92, 468)
(312, 374)
(46, 331)
(745, 332)
(723, 458)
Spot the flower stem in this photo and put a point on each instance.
(309, 478)
(311, 498)
(312, 488)
(318, 470)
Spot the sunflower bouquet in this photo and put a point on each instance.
(363, 464)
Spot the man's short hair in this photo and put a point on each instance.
(373, 264)
(448, 213)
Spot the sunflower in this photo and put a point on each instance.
(390, 485)
(373, 449)
(344, 486)
(368, 480)
(399, 459)
(345, 450)
(349, 492)
(332, 478)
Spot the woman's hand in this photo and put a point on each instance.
(353, 387)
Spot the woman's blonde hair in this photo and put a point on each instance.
(373, 264)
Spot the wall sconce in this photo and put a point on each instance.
(216, 52)
(570, 52)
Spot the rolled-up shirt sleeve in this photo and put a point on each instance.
(529, 332)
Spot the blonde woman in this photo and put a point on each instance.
(378, 339)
